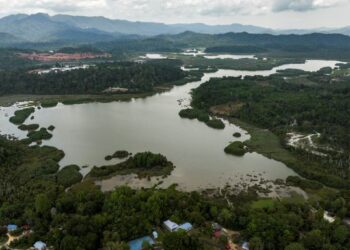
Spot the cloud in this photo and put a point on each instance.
(303, 5)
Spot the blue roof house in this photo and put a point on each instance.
(137, 244)
(11, 227)
(186, 226)
(39, 245)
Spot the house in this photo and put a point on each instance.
(137, 243)
(216, 226)
(11, 227)
(39, 245)
(245, 246)
(186, 226)
(170, 226)
(155, 235)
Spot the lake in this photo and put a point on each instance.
(89, 132)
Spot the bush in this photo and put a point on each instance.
(42, 134)
(303, 183)
(29, 127)
(235, 148)
(21, 115)
(216, 123)
(237, 135)
(69, 176)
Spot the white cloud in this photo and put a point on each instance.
(303, 5)
(213, 11)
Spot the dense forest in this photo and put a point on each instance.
(83, 217)
(94, 80)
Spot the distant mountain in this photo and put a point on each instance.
(8, 39)
(81, 29)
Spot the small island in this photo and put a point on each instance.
(120, 154)
(144, 164)
(235, 148)
(237, 134)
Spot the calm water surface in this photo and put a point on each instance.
(89, 132)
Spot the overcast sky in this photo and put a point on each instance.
(268, 13)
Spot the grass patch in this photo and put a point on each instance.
(263, 204)
(69, 176)
(266, 143)
(21, 115)
(235, 148)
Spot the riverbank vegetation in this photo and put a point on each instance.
(202, 116)
(33, 193)
(282, 105)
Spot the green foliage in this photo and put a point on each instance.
(94, 80)
(41, 134)
(21, 115)
(303, 183)
(145, 163)
(69, 176)
(235, 148)
(49, 103)
(237, 134)
(51, 128)
(120, 154)
(180, 241)
(194, 114)
(29, 127)
(215, 123)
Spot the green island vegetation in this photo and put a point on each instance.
(143, 164)
(49, 103)
(120, 154)
(235, 148)
(84, 217)
(29, 127)
(41, 134)
(69, 176)
(215, 123)
(237, 134)
(201, 116)
(51, 128)
(21, 115)
(285, 105)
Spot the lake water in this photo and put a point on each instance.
(89, 132)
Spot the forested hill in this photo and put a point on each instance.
(94, 80)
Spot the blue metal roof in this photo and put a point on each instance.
(186, 226)
(11, 227)
(137, 244)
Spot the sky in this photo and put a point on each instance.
(282, 14)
